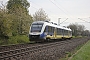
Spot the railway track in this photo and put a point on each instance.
(38, 51)
(23, 50)
(18, 46)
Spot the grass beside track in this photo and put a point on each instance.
(83, 53)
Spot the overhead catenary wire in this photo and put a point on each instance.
(58, 7)
(66, 10)
(63, 8)
(84, 20)
(63, 21)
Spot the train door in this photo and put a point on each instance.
(55, 33)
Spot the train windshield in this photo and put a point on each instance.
(36, 27)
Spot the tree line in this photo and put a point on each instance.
(78, 30)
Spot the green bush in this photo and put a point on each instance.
(19, 39)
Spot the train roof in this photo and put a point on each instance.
(52, 24)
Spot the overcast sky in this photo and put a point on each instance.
(71, 9)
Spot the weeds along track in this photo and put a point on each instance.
(45, 51)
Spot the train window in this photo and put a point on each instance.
(49, 29)
(70, 32)
(66, 32)
(63, 32)
(59, 31)
(36, 27)
(52, 29)
(46, 29)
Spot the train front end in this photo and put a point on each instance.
(36, 33)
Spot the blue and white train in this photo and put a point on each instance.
(44, 30)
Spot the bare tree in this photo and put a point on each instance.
(40, 15)
(80, 29)
(77, 29)
(86, 33)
